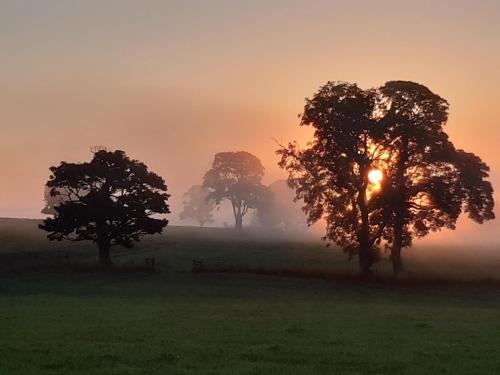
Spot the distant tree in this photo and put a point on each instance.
(430, 181)
(197, 205)
(331, 176)
(266, 213)
(279, 210)
(110, 201)
(236, 177)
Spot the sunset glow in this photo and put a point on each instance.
(264, 186)
(180, 85)
(375, 176)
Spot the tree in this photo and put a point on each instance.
(266, 213)
(413, 121)
(197, 205)
(110, 201)
(236, 176)
(332, 174)
(431, 182)
(278, 209)
(397, 132)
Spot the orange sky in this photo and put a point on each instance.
(172, 83)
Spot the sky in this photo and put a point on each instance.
(174, 82)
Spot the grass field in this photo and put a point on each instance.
(55, 320)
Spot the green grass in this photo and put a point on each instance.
(57, 321)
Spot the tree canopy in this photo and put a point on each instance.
(197, 205)
(331, 175)
(111, 201)
(278, 210)
(236, 177)
(431, 181)
(396, 130)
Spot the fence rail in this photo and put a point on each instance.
(34, 260)
(214, 264)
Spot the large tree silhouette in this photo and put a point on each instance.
(331, 175)
(110, 201)
(236, 176)
(397, 129)
(197, 205)
(431, 181)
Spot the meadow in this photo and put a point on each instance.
(64, 316)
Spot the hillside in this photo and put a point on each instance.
(178, 246)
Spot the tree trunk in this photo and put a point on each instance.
(238, 221)
(365, 256)
(397, 262)
(238, 215)
(104, 254)
(400, 209)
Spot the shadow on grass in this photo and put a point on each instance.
(347, 277)
(83, 267)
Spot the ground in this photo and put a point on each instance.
(55, 319)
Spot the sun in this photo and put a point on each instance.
(375, 176)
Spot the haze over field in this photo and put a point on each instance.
(173, 83)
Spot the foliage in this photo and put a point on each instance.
(397, 129)
(51, 201)
(279, 211)
(197, 205)
(432, 182)
(331, 175)
(110, 200)
(236, 176)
